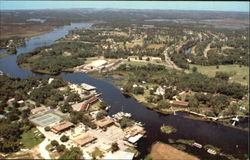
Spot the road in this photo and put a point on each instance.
(168, 61)
(42, 149)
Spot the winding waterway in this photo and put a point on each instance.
(230, 140)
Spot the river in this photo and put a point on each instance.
(230, 140)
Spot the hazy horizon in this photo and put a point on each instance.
(148, 5)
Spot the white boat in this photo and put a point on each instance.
(211, 151)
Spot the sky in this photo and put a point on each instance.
(168, 5)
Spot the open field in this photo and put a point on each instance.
(167, 152)
(237, 72)
(30, 139)
(24, 29)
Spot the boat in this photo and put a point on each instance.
(211, 151)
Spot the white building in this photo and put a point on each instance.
(98, 64)
(160, 91)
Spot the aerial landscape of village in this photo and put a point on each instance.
(124, 80)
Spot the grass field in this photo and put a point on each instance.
(237, 72)
(141, 63)
(167, 152)
(30, 139)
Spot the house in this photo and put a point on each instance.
(179, 103)
(38, 110)
(87, 87)
(62, 126)
(135, 85)
(134, 130)
(84, 139)
(84, 105)
(20, 102)
(24, 108)
(98, 64)
(160, 91)
(10, 101)
(104, 123)
(78, 106)
(50, 80)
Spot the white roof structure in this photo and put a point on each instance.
(160, 91)
(98, 63)
(119, 155)
(50, 80)
(135, 138)
(87, 87)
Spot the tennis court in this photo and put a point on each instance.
(46, 119)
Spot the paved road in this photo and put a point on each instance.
(168, 61)
(42, 149)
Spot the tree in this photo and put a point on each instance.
(114, 147)
(194, 69)
(103, 105)
(54, 143)
(222, 75)
(150, 99)
(73, 97)
(64, 138)
(163, 104)
(47, 128)
(100, 115)
(11, 50)
(125, 122)
(72, 153)
(138, 90)
(60, 148)
(66, 107)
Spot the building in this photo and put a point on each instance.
(62, 126)
(98, 64)
(104, 123)
(38, 110)
(84, 139)
(78, 106)
(83, 106)
(179, 103)
(134, 130)
(87, 87)
(160, 91)
(10, 101)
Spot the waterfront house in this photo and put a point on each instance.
(179, 104)
(104, 123)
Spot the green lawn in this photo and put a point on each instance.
(141, 63)
(29, 139)
(136, 63)
(94, 107)
(237, 72)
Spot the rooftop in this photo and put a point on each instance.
(38, 109)
(87, 86)
(180, 103)
(84, 139)
(134, 130)
(61, 126)
(104, 122)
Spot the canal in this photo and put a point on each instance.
(231, 140)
